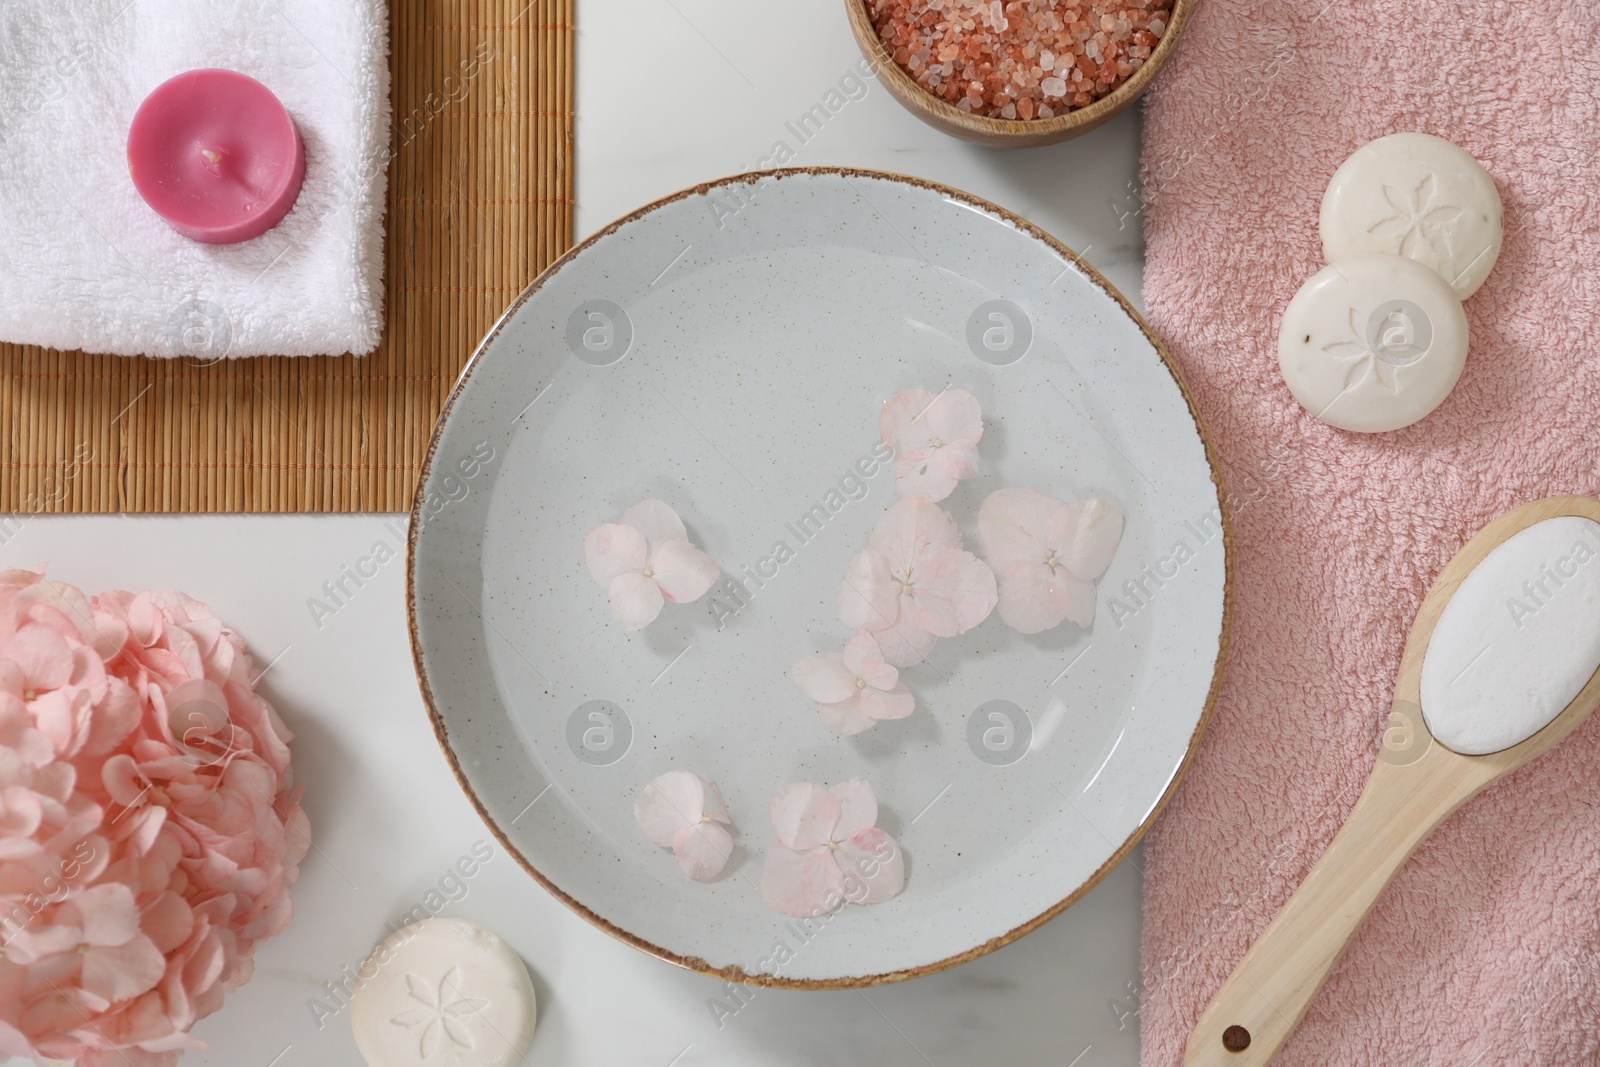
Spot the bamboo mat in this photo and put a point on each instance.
(480, 201)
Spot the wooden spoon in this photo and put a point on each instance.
(1416, 784)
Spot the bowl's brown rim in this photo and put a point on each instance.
(1088, 115)
(733, 972)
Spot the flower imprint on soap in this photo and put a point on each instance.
(1417, 220)
(1395, 335)
(440, 1013)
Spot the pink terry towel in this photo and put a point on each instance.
(1486, 949)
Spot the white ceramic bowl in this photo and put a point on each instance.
(727, 350)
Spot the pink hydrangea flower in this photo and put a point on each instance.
(1047, 555)
(644, 559)
(685, 812)
(855, 688)
(829, 850)
(915, 583)
(149, 825)
(935, 440)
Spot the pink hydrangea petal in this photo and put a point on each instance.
(906, 643)
(38, 941)
(898, 411)
(879, 673)
(858, 807)
(824, 679)
(976, 593)
(703, 850)
(122, 971)
(1075, 598)
(895, 702)
(863, 658)
(122, 780)
(958, 459)
(933, 603)
(143, 829)
(206, 965)
(111, 634)
(60, 1020)
(955, 416)
(683, 572)
(919, 473)
(197, 711)
(145, 621)
(657, 521)
(804, 814)
(857, 651)
(1085, 535)
(802, 885)
(63, 716)
(44, 658)
(1014, 528)
(20, 812)
(58, 605)
(714, 805)
(868, 592)
(107, 913)
(635, 600)
(184, 651)
(1035, 599)
(88, 672)
(167, 921)
(35, 748)
(955, 592)
(115, 718)
(1027, 601)
(669, 804)
(16, 848)
(208, 851)
(612, 549)
(910, 527)
(56, 782)
(846, 717)
(874, 858)
(14, 1042)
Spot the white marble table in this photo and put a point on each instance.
(389, 820)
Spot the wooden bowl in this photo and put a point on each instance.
(1008, 133)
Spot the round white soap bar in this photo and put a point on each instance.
(1416, 196)
(1372, 343)
(1518, 641)
(444, 993)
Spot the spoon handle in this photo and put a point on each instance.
(1260, 1005)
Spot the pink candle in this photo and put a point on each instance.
(217, 156)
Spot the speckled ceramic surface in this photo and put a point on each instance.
(727, 351)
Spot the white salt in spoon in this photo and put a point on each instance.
(1503, 662)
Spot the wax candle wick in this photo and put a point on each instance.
(212, 157)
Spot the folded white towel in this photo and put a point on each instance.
(85, 263)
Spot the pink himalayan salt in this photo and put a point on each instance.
(1020, 59)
